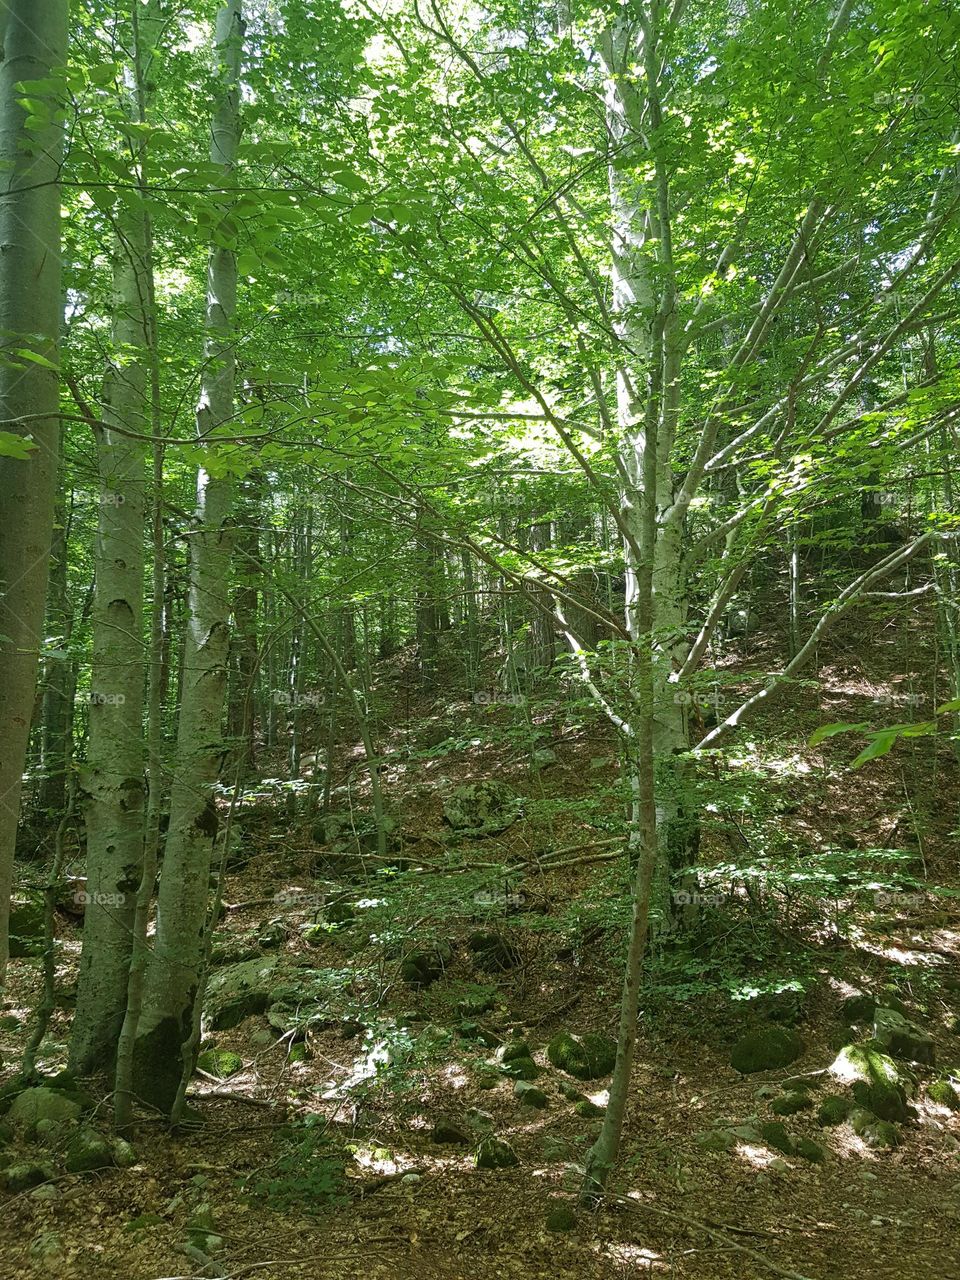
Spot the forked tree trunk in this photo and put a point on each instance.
(33, 45)
(173, 972)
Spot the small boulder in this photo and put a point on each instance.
(774, 1134)
(494, 1153)
(588, 1109)
(423, 967)
(878, 1084)
(21, 1177)
(27, 912)
(492, 952)
(716, 1140)
(789, 1103)
(528, 1095)
(902, 1038)
(88, 1150)
(807, 1149)
(238, 991)
(32, 1106)
(560, 1217)
(479, 809)
(588, 1057)
(446, 1133)
(834, 1109)
(944, 1094)
(220, 1063)
(765, 1049)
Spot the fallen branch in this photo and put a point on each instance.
(641, 1206)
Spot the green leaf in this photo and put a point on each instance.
(881, 744)
(831, 731)
(14, 446)
(35, 358)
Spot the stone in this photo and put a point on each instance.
(34, 1105)
(789, 1103)
(716, 1140)
(588, 1109)
(902, 1038)
(560, 1217)
(494, 1153)
(807, 1149)
(479, 1120)
(27, 912)
(21, 1177)
(765, 1049)
(834, 1109)
(88, 1150)
(878, 1085)
(588, 1057)
(124, 1155)
(774, 1134)
(858, 1008)
(492, 952)
(423, 967)
(238, 991)
(220, 1063)
(944, 1094)
(476, 1004)
(520, 1069)
(447, 1134)
(479, 809)
(801, 1084)
(528, 1095)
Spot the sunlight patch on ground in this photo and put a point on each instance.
(756, 1157)
(633, 1256)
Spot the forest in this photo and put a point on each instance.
(479, 639)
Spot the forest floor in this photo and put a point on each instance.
(370, 1194)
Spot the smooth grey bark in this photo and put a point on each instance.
(58, 682)
(34, 46)
(173, 973)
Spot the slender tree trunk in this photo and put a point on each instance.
(58, 682)
(173, 972)
(34, 46)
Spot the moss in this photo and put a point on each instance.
(879, 1083)
(807, 1149)
(560, 1217)
(494, 1153)
(521, 1069)
(716, 1140)
(157, 1064)
(220, 1063)
(834, 1109)
(765, 1049)
(589, 1110)
(774, 1133)
(515, 1049)
(944, 1094)
(789, 1103)
(529, 1095)
(588, 1057)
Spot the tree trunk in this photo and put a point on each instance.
(173, 972)
(34, 45)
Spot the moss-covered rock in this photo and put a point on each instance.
(857, 1008)
(423, 967)
(716, 1140)
(587, 1057)
(528, 1095)
(520, 1069)
(765, 1049)
(23, 1176)
(446, 1133)
(789, 1103)
(26, 925)
(901, 1038)
(240, 990)
(774, 1134)
(479, 809)
(944, 1094)
(494, 1153)
(878, 1082)
(88, 1150)
(220, 1063)
(32, 1106)
(560, 1217)
(807, 1149)
(834, 1109)
(587, 1109)
(492, 952)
